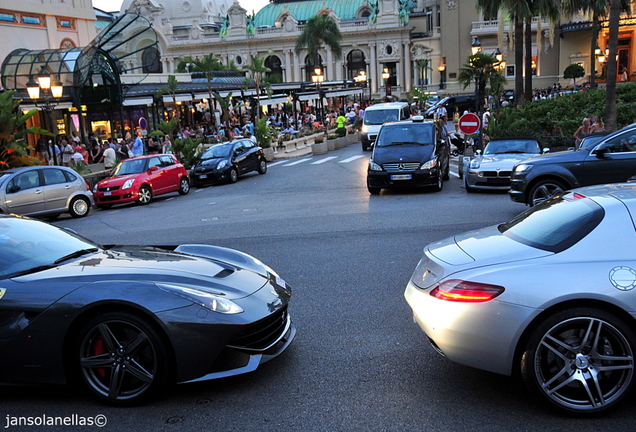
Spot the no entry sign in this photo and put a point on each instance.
(469, 123)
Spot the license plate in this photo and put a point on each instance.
(203, 176)
(108, 193)
(401, 177)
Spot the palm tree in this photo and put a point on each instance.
(543, 9)
(256, 72)
(517, 9)
(207, 66)
(170, 88)
(319, 30)
(423, 65)
(481, 71)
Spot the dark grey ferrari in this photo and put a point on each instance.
(127, 321)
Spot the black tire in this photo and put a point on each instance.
(184, 186)
(121, 358)
(145, 195)
(80, 207)
(374, 190)
(579, 348)
(468, 188)
(262, 166)
(233, 177)
(544, 190)
(437, 187)
(364, 147)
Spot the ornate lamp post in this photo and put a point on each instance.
(50, 87)
(442, 75)
(317, 79)
(475, 47)
(385, 76)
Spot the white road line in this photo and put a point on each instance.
(351, 159)
(276, 163)
(298, 162)
(324, 160)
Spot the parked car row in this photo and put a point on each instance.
(49, 191)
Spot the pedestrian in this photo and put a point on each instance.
(43, 150)
(441, 113)
(456, 119)
(109, 157)
(583, 131)
(67, 152)
(137, 146)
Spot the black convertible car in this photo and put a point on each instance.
(126, 321)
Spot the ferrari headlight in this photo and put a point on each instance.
(523, 168)
(430, 164)
(128, 184)
(213, 302)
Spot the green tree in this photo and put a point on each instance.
(611, 120)
(256, 73)
(14, 150)
(543, 9)
(207, 66)
(171, 89)
(319, 31)
(423, 65)
(479, 70)
(573, 72)
(517, 10)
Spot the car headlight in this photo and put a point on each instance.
(128, 184)
(430, 164)
(474, 164)
(213, 302)
(374, 166)
(222, 164)
(523, 168)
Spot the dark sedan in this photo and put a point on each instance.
(226, 162)
(610, 160)
(127, 321)
(409, 154)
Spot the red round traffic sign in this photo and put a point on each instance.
(469, 123)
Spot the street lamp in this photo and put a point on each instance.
(442, 75)
(385, 76)
(475, 47)
(50, 87)
(317, 79)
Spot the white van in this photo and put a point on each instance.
(376, 115)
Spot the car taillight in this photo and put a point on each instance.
(87, 186)
(457, 290)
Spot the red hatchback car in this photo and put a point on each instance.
(139, 179)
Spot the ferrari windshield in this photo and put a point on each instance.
(28, 245)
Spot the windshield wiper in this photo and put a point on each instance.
(75, 254)
(396, 143)
(31, 270)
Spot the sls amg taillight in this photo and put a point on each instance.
(462, 291)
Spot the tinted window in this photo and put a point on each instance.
(166, 161)
(512, 146)
(53, 176)
(408, 133)
(219, 150)
(625, 142)
(27, 180)
(378, 117)
(555, 224)
(154, 162)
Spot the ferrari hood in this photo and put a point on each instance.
(160, 266)
(482, 247)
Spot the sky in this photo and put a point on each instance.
(115, 5)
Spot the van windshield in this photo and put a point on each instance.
(406, 134)
(378, 117)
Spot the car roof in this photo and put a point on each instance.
(385, 105)
(403, 122)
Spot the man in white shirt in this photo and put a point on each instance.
(109, 157)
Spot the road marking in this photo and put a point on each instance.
(351, 159)
(324, 160)
(276, 163)
(298, 162)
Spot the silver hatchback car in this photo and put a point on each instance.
(44, 191)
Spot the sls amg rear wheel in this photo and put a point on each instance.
(580, 360)
(121, 358)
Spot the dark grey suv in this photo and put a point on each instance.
(610, 160)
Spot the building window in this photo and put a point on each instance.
(429, 19)
(7, 17)
(151, 61)
(65, 24)
(32, 20)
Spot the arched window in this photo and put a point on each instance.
(151, 59)
(355, 63)
(276, 69)
(310, 66)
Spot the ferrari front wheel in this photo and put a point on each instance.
(121, 358)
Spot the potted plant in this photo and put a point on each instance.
(263, 135)
(331, 141)
(319, 146)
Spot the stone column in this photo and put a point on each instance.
(373, 68)
(329, 67)
(296, 70)
(407, 67)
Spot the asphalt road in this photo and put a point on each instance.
(358, 363)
